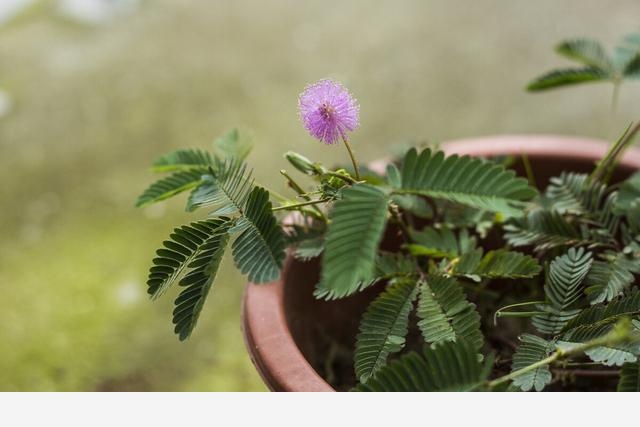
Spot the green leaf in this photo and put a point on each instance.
(628, 306)
(563, 289)
(446, 314)
(588, 52)
(532, 349)
(629, 378)
(170, 186)
(628, 193)
(440, 242)
(473, 182)
(613, 355)
(607, 279)
(566, 77)
(496, 264)
(632, 68)
(184, 160)
(447, 367)
(573, 193)
(225, 189)
(198, 281)
(309, 249)
(383, 328)
(354, 234)
(258, 251)
(233, 145)
(185, 244)
(544, 230)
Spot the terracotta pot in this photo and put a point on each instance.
(286, 330)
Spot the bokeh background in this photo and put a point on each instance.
(91, 91)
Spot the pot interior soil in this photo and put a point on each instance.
(325, 331)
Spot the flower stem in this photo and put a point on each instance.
(353, 159)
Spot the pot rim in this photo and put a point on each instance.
(267, 336)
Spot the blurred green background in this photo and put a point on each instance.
(94, 90)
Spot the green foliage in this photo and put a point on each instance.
(496, 264)
(628, 194)
(596, 65)
(608, 355)
(628, 306)
(186, 243)
(184, 160)
(450, 366)
(233, 145)
(445, 313)
(357, 224)
(169, 186)
(383, 328)
(532, 349)
(567, 76)
(544, 230)
(464, 180)
(607, 279)
(573, 193)
(563, 289)
(441, 242)
(225, 189)
(258, 251)
(629, 378)
(198, 281)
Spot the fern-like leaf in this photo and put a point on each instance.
(629, 378)
(588, 52)
(450, 366)
(169, 186)
(198, 282)
(573, 193)
(225, 189)
(185, 244)
(357, 224)
(445, 313)
(544, 230)
(233, 145)
(383, 328)
(628, 194)
(258, 251)
(628, 306)
(566, 77)
(473, 182)
(496, 264)
(611, 355)
(563, 289)
(607, 279)
(184, 160)
(441, 242)
(532, 349)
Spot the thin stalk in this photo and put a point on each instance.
(619, 334)
(614, 96)
(345, 178)
(606, 165)
(298, 189)
(519, 313)
(353, 159)
(499, 312)
(297, 205)
(528, 170)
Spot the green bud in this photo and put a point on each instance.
(303, 164)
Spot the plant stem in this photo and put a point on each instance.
(353, 159)
(345, 178)
(614, 96)
(297, 205)
(606, 165)
(528, 170)
(499, 313)
(617, 335)
(298, 189)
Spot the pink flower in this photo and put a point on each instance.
(328, 111)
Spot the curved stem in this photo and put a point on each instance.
(353, 159)
(499, 312)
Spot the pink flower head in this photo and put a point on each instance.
(328, 111)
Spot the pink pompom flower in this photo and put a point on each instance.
(328, 111)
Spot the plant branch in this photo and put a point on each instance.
(298, 189)
(297, 205)
(621, 332)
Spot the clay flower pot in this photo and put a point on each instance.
(288, 332)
